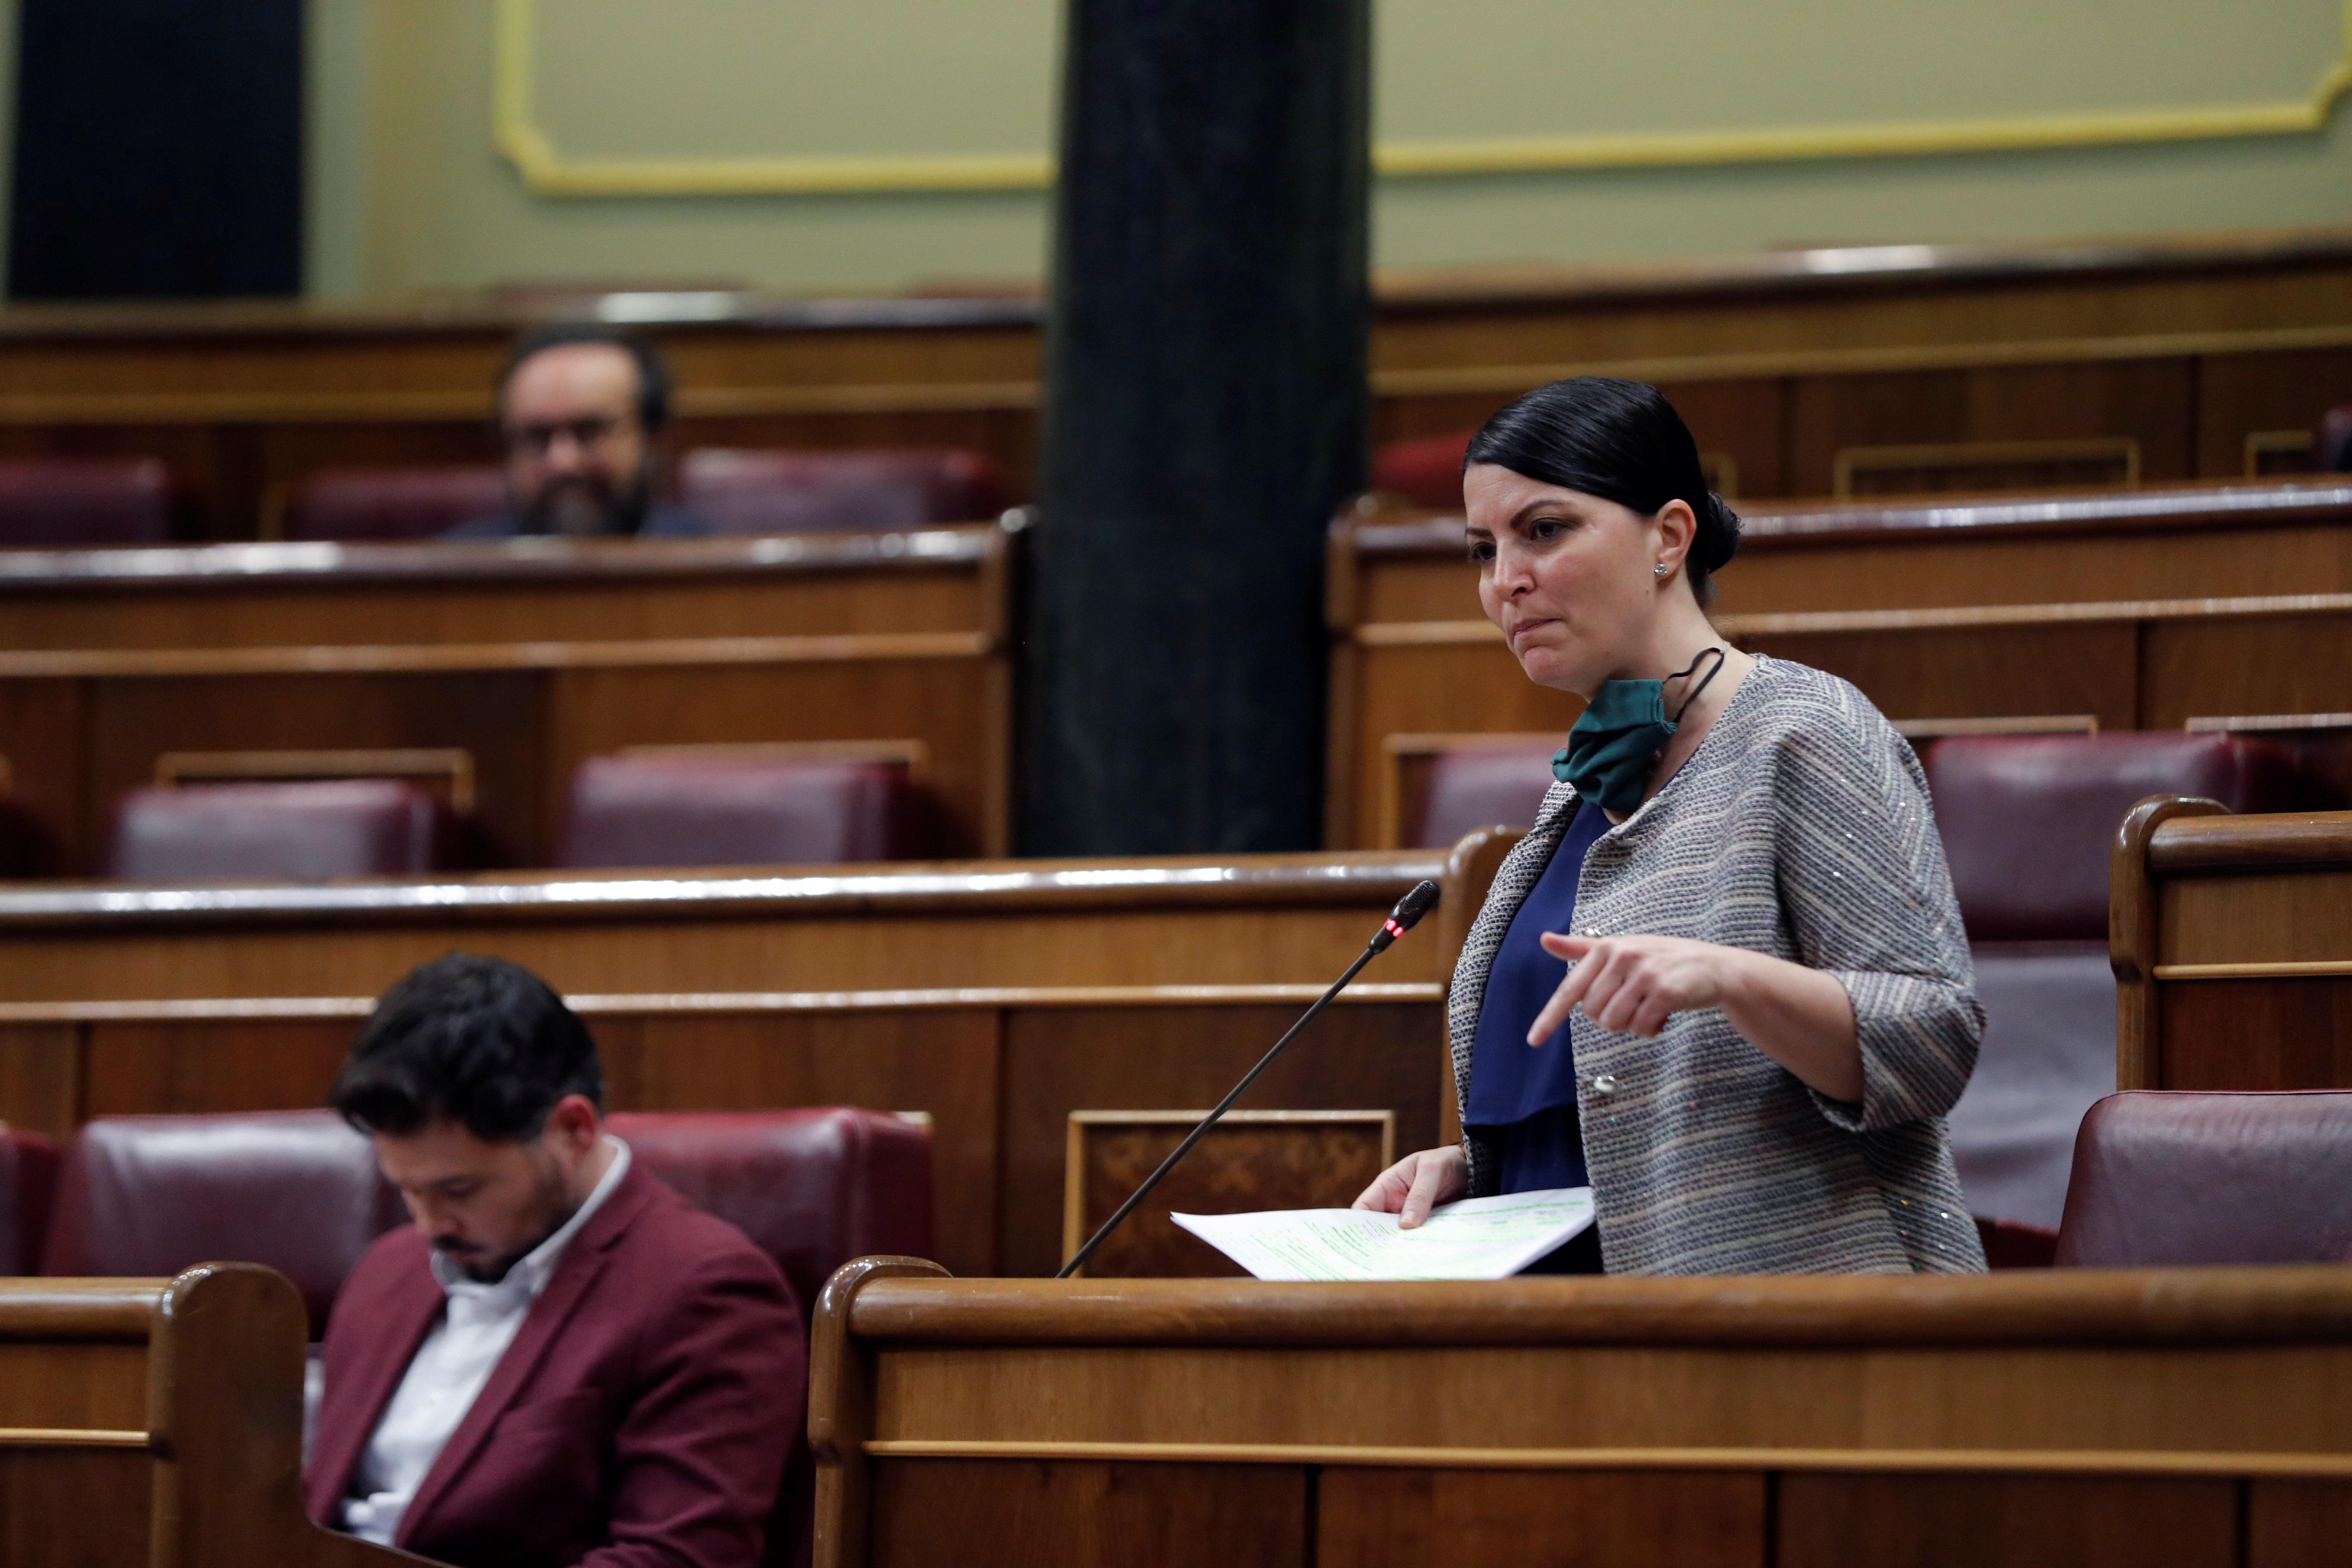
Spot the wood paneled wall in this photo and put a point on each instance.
(528, 658)
(2232, 945)
(2004, 608)
(1781, 362)
(2184, 1418)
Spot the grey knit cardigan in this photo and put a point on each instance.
(1799, 827)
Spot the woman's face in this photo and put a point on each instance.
(1565, 576)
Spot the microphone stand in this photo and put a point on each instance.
(1408, 912)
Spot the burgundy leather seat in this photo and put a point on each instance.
(2027, 823)
(2333, 443)
(393, 503)
(1426, 472)
(742, 811)
(812, 1188)
(2028, 819)
(28, 1180)
(296, 1190)
(800, 492)
(291, 832)
(1478, 786)
(2164, 1179)
(24, 848)
(76, 501)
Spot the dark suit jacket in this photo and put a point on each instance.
(642, 1416)
(660, 523)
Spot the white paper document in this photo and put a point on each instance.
(1477, 1238)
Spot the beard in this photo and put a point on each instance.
(590, 506)
(551, 1206)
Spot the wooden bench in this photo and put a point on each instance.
(158, 1424)
(524, 659)
(2194, 1417)
(1404, 664)
(998, 997)
(2231, 939)
(1797, 364)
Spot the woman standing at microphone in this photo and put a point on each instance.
(1723, 979)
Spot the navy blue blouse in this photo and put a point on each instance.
(1523, 1098)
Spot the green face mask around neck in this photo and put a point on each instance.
(1615, 743)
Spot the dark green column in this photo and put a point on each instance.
(1206, 413)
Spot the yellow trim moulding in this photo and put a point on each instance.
(547, 172)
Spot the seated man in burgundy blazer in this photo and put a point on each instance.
(559, 1363)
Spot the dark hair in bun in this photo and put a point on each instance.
(1620, 440)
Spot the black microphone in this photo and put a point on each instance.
(1402, 918)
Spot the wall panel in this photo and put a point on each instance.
(2018, 1522)
(1383, 1518)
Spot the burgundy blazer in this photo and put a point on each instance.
(642, 1416)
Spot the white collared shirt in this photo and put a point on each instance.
(449, 1369)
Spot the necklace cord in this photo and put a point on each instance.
(1685, 674)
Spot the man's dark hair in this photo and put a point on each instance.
(478, 1041)
(653, 370)
(1620, 440)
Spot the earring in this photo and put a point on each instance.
(1659, 570)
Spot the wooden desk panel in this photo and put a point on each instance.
(1247, 920)
(158, 1422)
(499, 591)
(2232, 940)
(2176, 541)
(2108, 1418)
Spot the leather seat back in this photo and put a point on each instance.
(1427, 470)
(299, 1191)
(24, 848)
(293, 832)
(2334, 441)
(812, 1188)
(2028, 820)
(2164, 1178)
(742, 811)
(800, 492)
(69, 501)
(146, 1195)
(1478, 786)
(393, 503)
(28, 1180)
